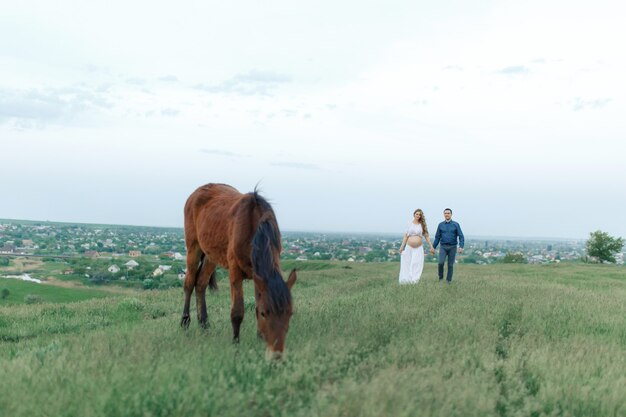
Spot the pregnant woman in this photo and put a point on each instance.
(412, 250)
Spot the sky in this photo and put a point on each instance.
(348, 115)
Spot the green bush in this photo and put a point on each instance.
(33, 299)
(514, 258)
(5, 293)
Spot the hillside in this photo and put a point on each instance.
(502, 340)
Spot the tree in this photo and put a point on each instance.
(603, 246)
(514, 258)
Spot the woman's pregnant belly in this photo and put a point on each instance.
(414, 241)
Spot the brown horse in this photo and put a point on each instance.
(238, 232)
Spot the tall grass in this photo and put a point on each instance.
(502, 340)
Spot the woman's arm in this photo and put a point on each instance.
(403, 244)
(427, 237)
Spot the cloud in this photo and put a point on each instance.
(514, 70)
(135, 81)
(289, 112)
(295, 165)
(170, 112)
(251, 83)
(168, 78)
(453, 67)
(580, 104)
(36, 108)
(222, 153)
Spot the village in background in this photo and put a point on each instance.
(154, 257)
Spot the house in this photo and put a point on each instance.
(161, 270)
(178, 256)
(131, 264)
(114, 269)
(7, 248)
(91, 254)
(134, 253)
(364, 249)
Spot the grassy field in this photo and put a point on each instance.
(18, 290)
(502, 340)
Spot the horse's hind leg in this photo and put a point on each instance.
(206, 274)
(236, 298)
(194, 262)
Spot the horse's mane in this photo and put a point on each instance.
(266, 248)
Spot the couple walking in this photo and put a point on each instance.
(412, 248)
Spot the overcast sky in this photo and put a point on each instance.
(350, 114)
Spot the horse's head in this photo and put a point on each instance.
(274, 308)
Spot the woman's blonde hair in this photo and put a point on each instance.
(422, 220)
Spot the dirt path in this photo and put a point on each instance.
(75, 284)
(65, 284)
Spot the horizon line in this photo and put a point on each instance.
(472, 237)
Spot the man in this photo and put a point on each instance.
(448, 232)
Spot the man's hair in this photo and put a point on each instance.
(448, 209)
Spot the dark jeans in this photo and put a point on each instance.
(450, 252)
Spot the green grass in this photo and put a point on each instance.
(288, 265)
(502, 340)
(49, 293)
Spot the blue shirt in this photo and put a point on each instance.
(447, 233)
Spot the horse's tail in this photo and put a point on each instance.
(213, 282)
(200, 265)
(212, 279)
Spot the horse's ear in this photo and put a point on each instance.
(261, 285)
(292, 279)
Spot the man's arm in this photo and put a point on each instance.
(461, 237)
(437, 237)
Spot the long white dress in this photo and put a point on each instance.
(412, 259)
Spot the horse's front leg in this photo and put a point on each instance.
(236, 297)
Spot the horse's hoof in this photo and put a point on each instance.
(184, 322)
(204, 325)
(236, 340)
